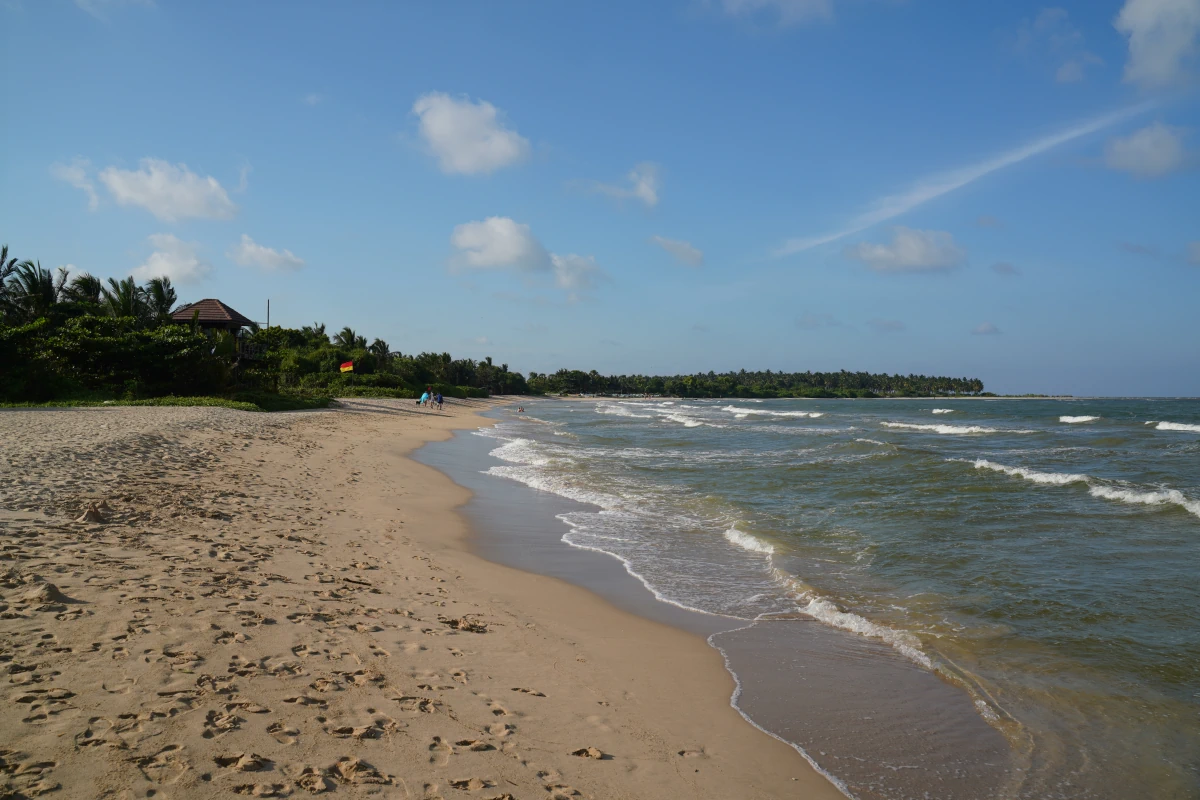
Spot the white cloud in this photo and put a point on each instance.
(467, 137)
(170, 192)
(249, 253)
(887, 325)
(574, 272)
(1004, 268)
(174, 259)
(787, 12)
(892, 206)
(498, 243)
(986, 329)
(683, 251)
(644, 185)
(1151, 152)
(76, 174)
(809, 321)
(1162, 38)
(504, 244)
(1194, 252)
(910, 251)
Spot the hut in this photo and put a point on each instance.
(211, 315)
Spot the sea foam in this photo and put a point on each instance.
(1075, 420)
(943, 411)
(950, 429)
(742, 412)
(1050, 478)
(1176, 426)
(619, 411)
(748, 542)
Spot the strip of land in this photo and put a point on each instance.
(284, 604)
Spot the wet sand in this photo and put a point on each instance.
(279, 605)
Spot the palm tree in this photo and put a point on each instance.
(380, 348)
(32, 290)
(7, 267)
(159, 296)
(315, 331)
(84, 288)
(346, 337)
(124, 299)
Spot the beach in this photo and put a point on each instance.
(284, 604)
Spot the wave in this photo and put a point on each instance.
(871, 441)
(943, 411)
(828, 612)
(620, 411)
(1051, 478)
(1075, 420)
(950, 429)
(748, 542)
(1154, 498)
(742, 412)
(1103, 491)
(1176, 426)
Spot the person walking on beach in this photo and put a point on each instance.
(439, 401)
(424, 399)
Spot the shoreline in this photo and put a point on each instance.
(287, 604)
(780, 671)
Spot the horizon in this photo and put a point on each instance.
(905, 187)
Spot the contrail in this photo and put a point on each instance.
(894, 205)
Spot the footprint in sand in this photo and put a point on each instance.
(530, 692)
(501, 730)
(243, 762)
(217, 723)
(472, 784)
(474, 745)
(263, 789)
(166, 766)
(305, 700)
(497, 709)
(283, 733)
(440, 752)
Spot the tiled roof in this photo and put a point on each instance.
(211, 310)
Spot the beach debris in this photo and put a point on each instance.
(465, 623)
(92, 513)
(588, 752)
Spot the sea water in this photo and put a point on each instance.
(1041, 557)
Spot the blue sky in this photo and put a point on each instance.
(1007, 191)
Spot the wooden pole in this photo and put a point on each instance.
(268, 312)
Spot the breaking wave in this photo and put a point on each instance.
(1074, 420)
(1176, 426)
(950, 429)
(748, 542)
(943, 411)
(1051, 478)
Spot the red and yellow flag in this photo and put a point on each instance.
(348, 366)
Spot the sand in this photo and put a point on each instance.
(199, 602)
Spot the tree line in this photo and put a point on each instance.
(65, 336)
(756, 384)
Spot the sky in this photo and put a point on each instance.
(1008, 191)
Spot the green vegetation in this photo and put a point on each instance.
(76, 340)
(756, 384)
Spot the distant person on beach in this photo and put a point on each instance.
(424, 399)
(439, 401)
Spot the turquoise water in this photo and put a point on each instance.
(1043, 556)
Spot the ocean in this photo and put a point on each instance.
(927, 598)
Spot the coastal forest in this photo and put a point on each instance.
(71, 337)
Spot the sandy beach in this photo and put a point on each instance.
(275, 605)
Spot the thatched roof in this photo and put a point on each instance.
(211, 312)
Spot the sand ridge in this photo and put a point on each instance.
(199, 602)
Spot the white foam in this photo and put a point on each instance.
(950, 429)
(1176, 426)
(748, 542)
(1050, 478)
(619, 411)
(742, 412)
(1076, 420)
(871, 441)
(1103, 491)
(943, 411)
(1155, 498)
(824, 611)
(520, 451)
